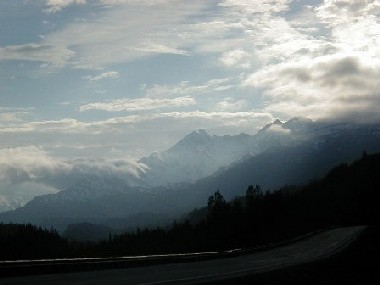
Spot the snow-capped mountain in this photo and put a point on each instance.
(195, 156)
(199, 154)
(289, 152)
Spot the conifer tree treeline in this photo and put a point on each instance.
(30, 242)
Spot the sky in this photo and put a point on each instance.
(115, 80)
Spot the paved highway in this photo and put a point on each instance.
(313, 248)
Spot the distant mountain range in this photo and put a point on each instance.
(181, 178)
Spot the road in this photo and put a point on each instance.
(313, 248)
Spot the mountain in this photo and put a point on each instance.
(293, 152)
(195, 156)
(94, 200)
(316, 148)
(199, 154)
(7, 204)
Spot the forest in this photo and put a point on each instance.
(348, 195)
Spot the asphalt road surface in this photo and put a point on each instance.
(313, 248)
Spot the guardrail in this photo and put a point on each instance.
(66, 265)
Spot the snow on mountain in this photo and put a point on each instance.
(199, 154)
(195, 156)
(7, 204)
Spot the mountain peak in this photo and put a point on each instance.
(299, 120)
(200, 132)
(266, 127)
(197, 137)
(298, 124)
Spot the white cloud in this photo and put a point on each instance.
(278, 129)
(12, 116)
(51, 54)
(26, 172)
(227, 117)
(57, 5)
(264, 6)
(236, 58)
(324, 54)
(134, 2)
(185, 88)
(138, 104)
(104, 75)
(132, 36)
(321, 87)
(232, 105)
(354, 24)
(153, 48)
(26, 163)
(21, 164)
(126, 31)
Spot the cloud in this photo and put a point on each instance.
(320, 71)
(278, 130)
(139, 104)
(134, 2)
(132, 35)
(27, 163)
(57, 5)
(63, 125)
(218, 117)
(104, 75)
(34, 164)
(118, 34)
(232, 105)
(153, 48)
(185, 88)
(187, 31)
(14, 114)
(322, 87)
(51, 54)
(264, 6)
(26, 172)
(336, 12)
(354, 24)
(236, 58)
(118, 167)
(117, 124)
